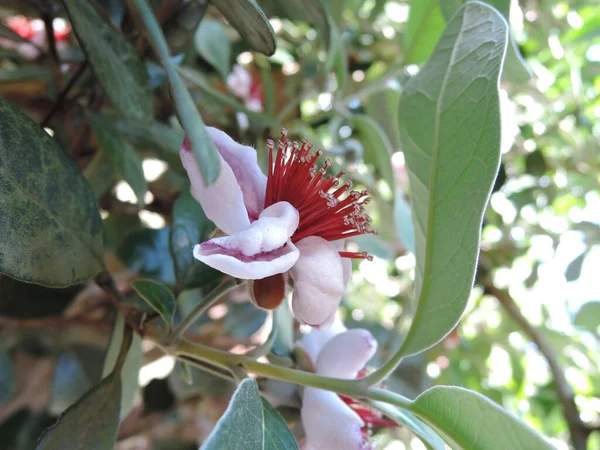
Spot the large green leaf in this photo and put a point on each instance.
(470, 421)
(450, 130)
(424, 27)
(91, 423)
(250, 21)
(115, 61)
(49, 222)
(190, 227)
(202, 146)
(250, 423)
(212, 43)
(515, 69)
(123, 156)
(588, 317)
(131, 366)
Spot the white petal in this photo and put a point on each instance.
(243, 162)
(262, 250)
(313, 342)
(222, 201)
(318, 281)
(329, 423)
(346, 354)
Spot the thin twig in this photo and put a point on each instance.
(578, 431)
(63, 94)
(207, 302)
(48, 18)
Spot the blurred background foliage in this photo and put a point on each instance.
(531, 331)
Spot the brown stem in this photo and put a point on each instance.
(63, 94)
(578, 431)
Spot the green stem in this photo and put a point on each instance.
(205, 304)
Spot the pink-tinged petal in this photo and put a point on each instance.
(346, 262)
(222, 201)
(243, 162)
(318, 281)
(313, 342)
(346, 354)
(329, 423)
(262, 250)
(239, 81)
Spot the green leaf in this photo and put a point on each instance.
(516, 69)
(131, 367)
(158, 296)
(212, 43)
(251, 423)
(202, 146)
(588, 317)
(450, 129)
(470, 421)
(377, 147)
(382, 107)
(7, 379)
(124, 158)
(181, 27)
(423, 30)
(429, 437)
(92, 422)
(250, 22)
(337, 57)
(190, 227)
(146, 252)
(50, 224)
(100, 173)
(115, 61)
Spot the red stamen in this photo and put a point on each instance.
(294, 177)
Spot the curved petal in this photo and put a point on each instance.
(318, 281)
(262, 250)
(313, 342)
(243, 162)
(346, 354)
(329, 423)
(222, 201)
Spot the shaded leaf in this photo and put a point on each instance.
(100, 173)
(250, 422)
(588, 317)
(158, 296)
(7, 379)
(244, 319)
(451, 167)
(182, 25)
(212, 43)
(250, 22)
(50, 224)
(115, 61)
(147, 252)
(377, 147)
(92, 422)
(131, 367)
(190, 227)
(470, 421)
(574, 268)
(202, 146)
(424, 28)
(124, 158)
(382, 107)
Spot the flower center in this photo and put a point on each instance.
(294, 177)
